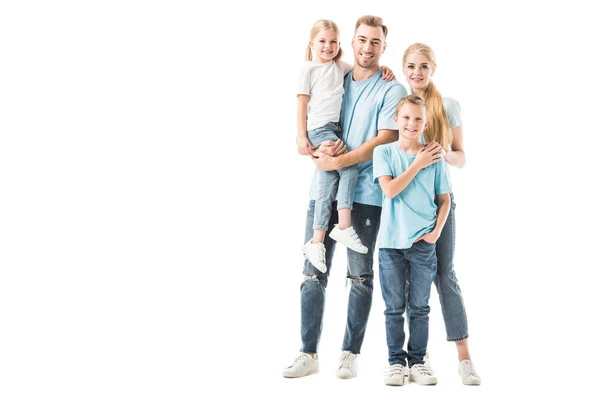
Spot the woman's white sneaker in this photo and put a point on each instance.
(467, 372)
(347, 368)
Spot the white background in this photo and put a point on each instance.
(152, 202)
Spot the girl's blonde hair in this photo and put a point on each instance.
(439, 126)
(318, 27)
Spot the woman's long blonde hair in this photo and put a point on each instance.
(439, 126)
(318, 27)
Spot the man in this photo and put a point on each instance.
(367, 120)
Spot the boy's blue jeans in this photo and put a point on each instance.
(417, 265)
(365, 220)
(331, 185)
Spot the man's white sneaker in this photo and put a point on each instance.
(348, 238)
(303, 365)
(347, 368)
(467, 372)
(394, 375)
(422, 375)
(315, 253)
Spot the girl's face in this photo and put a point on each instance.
(417, 71)
(411, 121)
(325, 46)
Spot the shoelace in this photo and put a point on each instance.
(468, 367)
(396, 369)
(423, 370)
(301, 359)
(346, 360)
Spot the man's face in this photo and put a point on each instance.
(368, 45)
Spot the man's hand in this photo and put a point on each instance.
(332, 149)
(324, 161)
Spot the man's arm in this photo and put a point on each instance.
(361, 154)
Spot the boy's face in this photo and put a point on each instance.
(411, 120)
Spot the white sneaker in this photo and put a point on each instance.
(466, 370)
(348, 238)
(422, 375)
(303, 365)
(315, 253)
(347, 368)
(394, 375)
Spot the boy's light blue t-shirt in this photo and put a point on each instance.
(412, 213)
(368, 106)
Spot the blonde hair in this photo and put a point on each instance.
(372, 21)
(412, 99)
(439, 126)
(322, 24)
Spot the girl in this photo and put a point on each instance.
(320, 90)
(444, 130)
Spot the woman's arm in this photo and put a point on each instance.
(456, 155)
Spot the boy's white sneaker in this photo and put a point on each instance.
(315, 253)
(422, 375)
(394, 375)
(347, 368)
(348, 238)
(303, 365)
(467, 372)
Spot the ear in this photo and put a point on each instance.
(383, 47)
(396, 120)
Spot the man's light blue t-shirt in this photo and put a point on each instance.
(412, 213)
(368, 106)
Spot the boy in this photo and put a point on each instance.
(410, 175)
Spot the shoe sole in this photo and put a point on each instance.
(300, 376)
(411, 379)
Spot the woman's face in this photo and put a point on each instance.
(418, 71)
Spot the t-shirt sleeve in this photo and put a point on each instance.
(442, 183)
(385, 118)
(453, 113)
(347, 67)
(381, 165)
(304, 80)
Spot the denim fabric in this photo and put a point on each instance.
(331, 185)
(446, 282)
(418, 263)
(365, 220)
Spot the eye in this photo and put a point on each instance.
(411, 67)
(425, 67)
(419, 119)
(322, 41)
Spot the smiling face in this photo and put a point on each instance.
(325, 46)
(418, 71)
(368, 45)
(411, 120)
